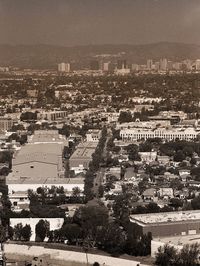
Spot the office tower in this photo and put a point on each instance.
(188, 64)
(157, 66)
(163, 64)
(64, 67)
(94, 65)
(135, 67)
(106, 66)
(170, 65)
(197, 64)
(149, 64)
(121, 64)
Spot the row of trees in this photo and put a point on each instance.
(92, 227)
(170, 256)
(97, 159)
(23, 233)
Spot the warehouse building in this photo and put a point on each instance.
(80, 159)
(168, 223)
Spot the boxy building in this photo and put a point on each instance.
(168, 223)
(80, 159)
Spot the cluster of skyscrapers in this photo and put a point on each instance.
(122, 67)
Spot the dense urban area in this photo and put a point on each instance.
(103, 160)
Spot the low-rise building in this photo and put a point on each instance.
(80, 159)
(93, 135)
(6, 123)
(167, 134)
(148, 156)
(52, 115)
(19, 201)
(165, 224)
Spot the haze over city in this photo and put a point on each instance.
(99, 132)
(78, 22)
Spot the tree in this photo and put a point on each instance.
(41, 230)
(189, 255)
(71, 232)
(17, 231)
(176, 184)
(90, 218)
(179, 156)
(196, 203)
(166, 256)
(153, 207)
(111, 238)
(65, 130)
(146, 146)
(132, 150)
(76, 191)
(125, 117)
(26, 232)
(176, 203)
(28, 116)
(2, 234)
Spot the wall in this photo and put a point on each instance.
(171, 229)
(54, 223)
(25, 187)
(63, 257)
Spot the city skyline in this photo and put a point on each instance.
(71, 23)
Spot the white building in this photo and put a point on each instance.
(167, 134)
(123, 71)
(64, 67)
(54, 223)
(19, 201)
(93, 135)
(52, 115)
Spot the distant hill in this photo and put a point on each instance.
(48, 56)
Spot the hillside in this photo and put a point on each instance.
(47, 56)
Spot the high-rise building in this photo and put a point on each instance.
(163, 64)
(121, 64)
(188, 64)
(64, 67)
(197, 64)
(149, 64)
(106, 66)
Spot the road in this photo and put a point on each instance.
(98, 181)
(100, 173)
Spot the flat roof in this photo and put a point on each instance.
(84, 150)
(179, 240)
(165, 217)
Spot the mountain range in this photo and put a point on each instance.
(48, 56)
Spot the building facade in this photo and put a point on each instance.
(168, 223)
(167, 134)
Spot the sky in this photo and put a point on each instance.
(83, 22)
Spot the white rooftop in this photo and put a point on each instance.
(166, 217)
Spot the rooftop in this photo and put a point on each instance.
(84, 150)
(179, 240)
(165, 217)
(55, 181)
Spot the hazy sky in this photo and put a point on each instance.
(77, 22)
